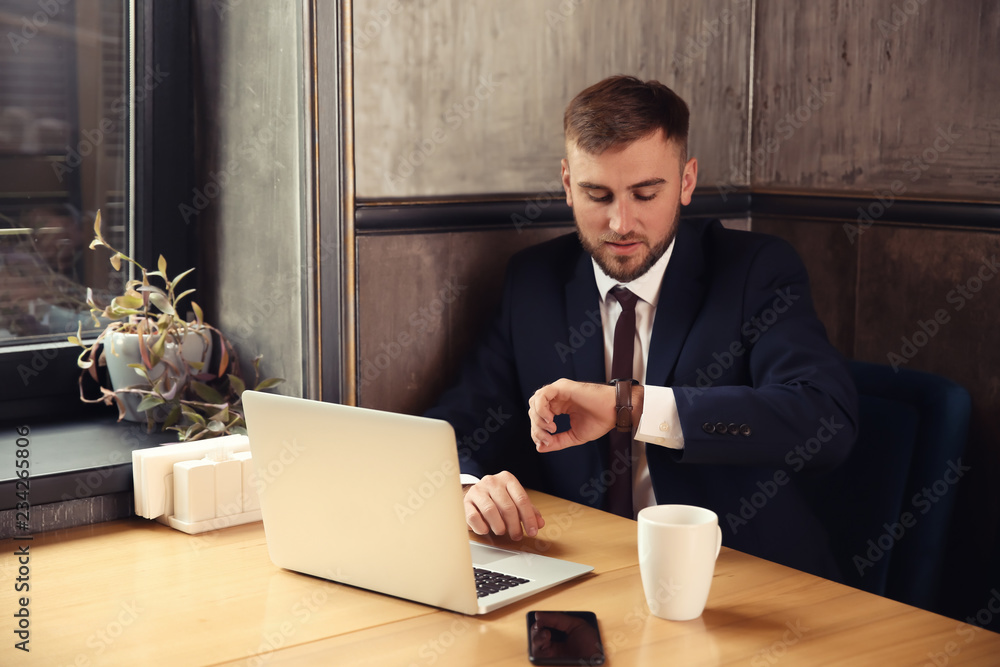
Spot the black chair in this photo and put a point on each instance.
(889, 506)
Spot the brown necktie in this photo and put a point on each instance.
(620, 490)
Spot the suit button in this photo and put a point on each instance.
(664, 426)
(734, 429)
(708, 428)
(745, 429)
(720, 428)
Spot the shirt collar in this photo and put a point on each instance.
(646, 287)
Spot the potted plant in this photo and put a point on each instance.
(162, 367)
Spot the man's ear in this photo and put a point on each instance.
(566, 182)
(689, 179)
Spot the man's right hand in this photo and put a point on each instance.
(499, 504)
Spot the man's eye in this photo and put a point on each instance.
(605, 198)
(645, 197)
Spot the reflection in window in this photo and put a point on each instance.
(63, 131)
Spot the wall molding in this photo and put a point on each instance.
(549, 210)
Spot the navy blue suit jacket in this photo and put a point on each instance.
(763, 397)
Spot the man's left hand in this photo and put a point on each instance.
(591, 410)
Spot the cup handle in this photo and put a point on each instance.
(718, 545)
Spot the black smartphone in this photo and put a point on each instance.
(564, 638)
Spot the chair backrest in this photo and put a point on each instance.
(888, 507)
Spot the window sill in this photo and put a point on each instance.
(73, 459)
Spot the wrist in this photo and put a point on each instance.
(628, 404)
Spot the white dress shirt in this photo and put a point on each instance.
(659, 423)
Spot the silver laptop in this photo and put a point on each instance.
(373, 499)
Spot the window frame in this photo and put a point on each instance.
(41, 377)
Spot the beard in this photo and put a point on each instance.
(626, 268)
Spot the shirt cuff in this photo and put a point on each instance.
(660, 424)
(465, 479)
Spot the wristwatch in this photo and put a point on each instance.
(623, 403)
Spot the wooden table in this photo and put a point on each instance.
(135, 592)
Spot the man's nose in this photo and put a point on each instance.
(622, 217)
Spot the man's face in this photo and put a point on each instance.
(627, 201)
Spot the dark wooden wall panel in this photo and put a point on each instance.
(855, 96)
(422, 301)
(833, 268)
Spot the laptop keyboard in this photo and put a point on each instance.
(489, 582)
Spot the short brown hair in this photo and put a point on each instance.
(621, 109)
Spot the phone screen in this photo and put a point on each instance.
(564, 638)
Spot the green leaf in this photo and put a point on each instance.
(197, 313)
(116, 261)
(182, 295)
(192, 414)
(161, 302)
(178, 278)
(237, 384)
(268, 383)
(216, 426)
(238, 430)
(172, 417)
(130, 301)
(97, 230)
(162, 265)
(206, 393)
(221, 416)
(150, 401)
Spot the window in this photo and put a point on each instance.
(95, 102)
(64, 122)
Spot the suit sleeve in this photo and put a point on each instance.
(799, 408)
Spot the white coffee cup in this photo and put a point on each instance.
(678, 545)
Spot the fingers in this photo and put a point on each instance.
(542, 412)
(499, 504)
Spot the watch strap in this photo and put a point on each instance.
(623, 404)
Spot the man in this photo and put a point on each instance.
(735, 390)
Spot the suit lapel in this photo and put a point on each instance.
(583, 317)
(681, 297)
